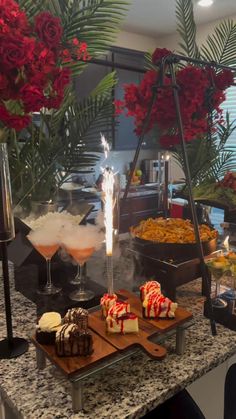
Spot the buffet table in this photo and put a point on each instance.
(128, 389)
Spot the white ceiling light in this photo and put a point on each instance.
(205, 3)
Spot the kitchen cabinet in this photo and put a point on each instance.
(137, 208)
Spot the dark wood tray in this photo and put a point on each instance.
(74, 364)
(129, 340)
(108, 346)
(161, 325)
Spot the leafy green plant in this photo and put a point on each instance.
(209, 160)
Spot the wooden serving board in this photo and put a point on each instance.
(129, 340)
(75, 364)
(162, 325)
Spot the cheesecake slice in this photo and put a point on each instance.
(158, 306)
(127, 323)
(107, 302)
(148, 287)
(118, 309)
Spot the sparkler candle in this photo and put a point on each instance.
(226, 244)
(108, 190)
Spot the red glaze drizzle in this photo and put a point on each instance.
(158, 303)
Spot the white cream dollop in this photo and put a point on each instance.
(49, 321)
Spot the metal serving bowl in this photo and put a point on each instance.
(175, 251)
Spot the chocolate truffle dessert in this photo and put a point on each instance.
(77, 316)
(72, 341)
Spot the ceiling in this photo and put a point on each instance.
(157, 17)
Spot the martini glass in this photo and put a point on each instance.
(231, 293)
(81, 256)
(47, 251)
(218, 267)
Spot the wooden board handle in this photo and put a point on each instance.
(153, 349)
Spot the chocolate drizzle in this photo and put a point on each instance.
(78, 316)
(71, 341)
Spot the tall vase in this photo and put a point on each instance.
(10, 347)
(7, 229)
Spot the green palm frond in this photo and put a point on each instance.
(220, 46)
(209, 160)
(186, 28)
(32, 8)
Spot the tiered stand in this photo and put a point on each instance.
(112, 348)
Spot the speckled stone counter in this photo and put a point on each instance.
(128, 390)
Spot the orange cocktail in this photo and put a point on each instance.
(81, 255)
(47, 251)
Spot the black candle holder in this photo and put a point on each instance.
(11, 347)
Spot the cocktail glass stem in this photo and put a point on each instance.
(81, 281)
(217, 289)
(49, 278)
(76, 280)
(218, 302)
(49, 288)
(81, 294)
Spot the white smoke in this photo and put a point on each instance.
(82, 237)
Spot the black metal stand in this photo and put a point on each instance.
(204, 272)
(168, 62)
(11, 347)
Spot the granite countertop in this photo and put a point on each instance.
(128, 390)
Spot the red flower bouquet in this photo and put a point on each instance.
(34, 64)
(196, 97)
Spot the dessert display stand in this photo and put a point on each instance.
(110, 349)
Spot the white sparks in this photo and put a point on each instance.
(105, 145)
(108, 189)
(226, 244)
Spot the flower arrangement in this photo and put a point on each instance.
(201, 91)
(34, 63)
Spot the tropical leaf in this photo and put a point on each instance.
(220, 46)
(209, 160)
(186, 28)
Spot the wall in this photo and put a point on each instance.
(135, 41)
(171, 41)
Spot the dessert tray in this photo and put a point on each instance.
(111, 348)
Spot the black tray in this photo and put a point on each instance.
(173, 251)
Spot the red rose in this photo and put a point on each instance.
(17, 122)
(119, 106)
(3, 82)
(32, 98)
(48, 29)
(62, 79)
(169, 141)
(54, 102)
(15, 51)
(159, 53)
(224, 79)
